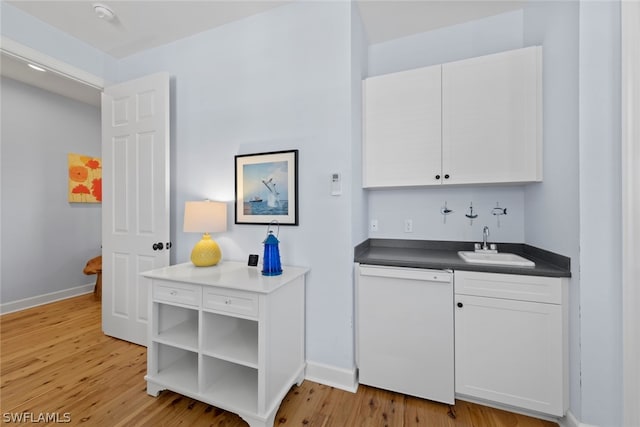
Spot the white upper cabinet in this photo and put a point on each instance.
(474, 121)
(402, 128)
(491, 118)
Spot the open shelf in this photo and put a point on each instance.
(234, 386)
(176, 367)
(230, 338)
(177, 326)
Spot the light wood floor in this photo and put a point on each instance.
(55, 359)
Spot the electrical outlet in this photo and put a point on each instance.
(374, 225)
(408, 226)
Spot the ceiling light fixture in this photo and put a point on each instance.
(35, 67)
(103, 12)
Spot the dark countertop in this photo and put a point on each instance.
(443, 255)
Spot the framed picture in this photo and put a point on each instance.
(267, 188)
(85, 179)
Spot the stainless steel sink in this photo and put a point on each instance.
(501, 258)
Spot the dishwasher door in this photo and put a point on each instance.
(404, 331)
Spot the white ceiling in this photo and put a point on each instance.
(140, 25)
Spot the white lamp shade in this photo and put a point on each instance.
(205, 217)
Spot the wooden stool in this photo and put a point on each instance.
(94, 266)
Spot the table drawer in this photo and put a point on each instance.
(179, 293)
(230, 301)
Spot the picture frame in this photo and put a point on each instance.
(266, 188)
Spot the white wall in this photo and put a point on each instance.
(423, 205)
(600, 213)
(274, 81)
(552, 208)
(45, 240)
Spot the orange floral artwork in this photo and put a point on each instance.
(85, 179)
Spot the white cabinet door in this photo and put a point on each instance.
(492, 118)
(510, 352)
(405, 331)
(402, 128)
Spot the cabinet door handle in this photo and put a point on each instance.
(460, 305)
(437, 176)
(446, 176)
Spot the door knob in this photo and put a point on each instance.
(158, 246)
(168, 245)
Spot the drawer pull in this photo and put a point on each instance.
(227, 301)
(173, 292)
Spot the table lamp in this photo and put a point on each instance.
(205, 217)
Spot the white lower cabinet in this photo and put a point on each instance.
(405, 330)
(227, 336)
(510, 340)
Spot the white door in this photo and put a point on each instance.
(492, 118)
(135, 207)
(402, 128)
(510, 352)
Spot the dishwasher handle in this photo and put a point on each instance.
(423, 274)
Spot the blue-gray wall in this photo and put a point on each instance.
(600, 214)
(552, 207)
(45, 240)
(359, 57)
(274, 81)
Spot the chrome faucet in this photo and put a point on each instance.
(485, 237)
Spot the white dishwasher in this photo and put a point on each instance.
(404, 330)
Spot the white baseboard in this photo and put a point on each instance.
(344, 379)
(570, 420)
(25, 303)
(510, 408)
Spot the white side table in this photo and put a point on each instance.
(227, 335)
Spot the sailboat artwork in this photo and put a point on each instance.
(266, 188)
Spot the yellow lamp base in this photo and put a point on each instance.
(206, 252)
